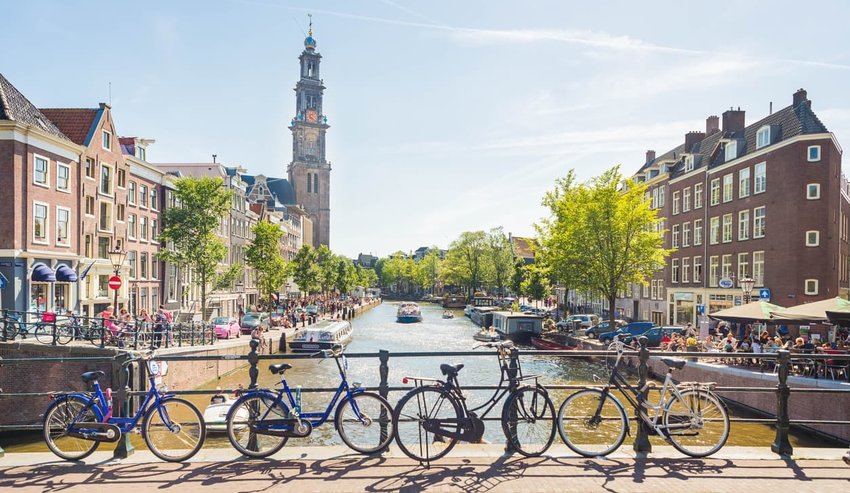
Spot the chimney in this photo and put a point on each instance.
(712, 125)
(800, 97)
(733, 120)
(692, 138)
(650, 155)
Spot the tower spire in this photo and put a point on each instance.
(310, 29)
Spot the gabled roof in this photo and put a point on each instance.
(14, 106)
(523, 247)
(77, 123)
(280, 188)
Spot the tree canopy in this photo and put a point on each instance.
(263, 254)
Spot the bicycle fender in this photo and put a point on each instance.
(57, 398)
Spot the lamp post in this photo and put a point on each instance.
(746, 283)
(116, 258)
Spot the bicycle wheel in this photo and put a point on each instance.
(94, 334)
(242, 419)
(10, 329)
(43, 333)
(697, 424)
(64, 334)
(364, 422)
(175, 430)
(409, 418)
(528, 420)
(591, 426)
(58, 417)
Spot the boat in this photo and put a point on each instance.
(518, 327)
(215, 415)
(487, 335)
(479, 302)
(482, 316)
(408, 313)
(322, 335)
(549, 345)
(448, 315)
(454, 301)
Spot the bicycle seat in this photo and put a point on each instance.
(280, 368)
(674, 363)
(91, 376)
(450, 370)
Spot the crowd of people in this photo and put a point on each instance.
(122, 328)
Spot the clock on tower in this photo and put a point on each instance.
(312, 116)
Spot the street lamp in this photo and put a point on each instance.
(746, 284)
(116, 258)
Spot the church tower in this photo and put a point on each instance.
(309, 172)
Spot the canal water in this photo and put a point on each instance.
(377, 329)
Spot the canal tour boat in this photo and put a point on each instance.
(408, 313)
(323, 335)
(516, 326)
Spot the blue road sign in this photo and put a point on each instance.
(764, 294)
(3, 281)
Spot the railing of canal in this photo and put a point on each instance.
(60, 329)
(783, 360)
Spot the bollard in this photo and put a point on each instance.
(282, 345)
(384, 390)
(781, 445)
(124, 448)
(642, 445)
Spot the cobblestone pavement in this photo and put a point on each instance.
(474, 472)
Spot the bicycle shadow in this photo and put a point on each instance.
(466, 477)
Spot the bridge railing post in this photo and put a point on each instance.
(513, 373)
(781, 445)
(124, 448)
(384, 390)
(642, 446)
(253, 373)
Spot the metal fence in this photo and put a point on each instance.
(780, 418)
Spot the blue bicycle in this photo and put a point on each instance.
(259, 423)
(76, 423)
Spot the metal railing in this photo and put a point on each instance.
(781, 418)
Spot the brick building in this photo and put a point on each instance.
(765, 200)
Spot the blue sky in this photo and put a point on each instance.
(445, 116)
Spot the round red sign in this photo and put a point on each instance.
(114, 282)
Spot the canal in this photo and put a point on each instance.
(376, 329)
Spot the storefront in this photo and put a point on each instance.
(682, 307)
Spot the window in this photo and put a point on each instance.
(686, 199)
(131, 260)
(813, 153)
(760, 178)
(758, 268)
(315, 183)
(727, 187)
(689, 163)
(811, 286)
(154, 274)
(131, 193)
(90, 206)
(141, 153)
(686, 234)
(143, 196)
(731, 150)
(698, 196)
(40, 170)
(812, 238)
(119, 214)
(698, 269)
(105, 223)
(758, 222)
(763, 137)
(743, 225)
(727, 228)
(813, 191)
(131, 226)
(686, 269)
(744, 183)
(309, 182)
(121, 176)
(102, 286)
(743, 265)
(39, 214)
(675, 270)
(143, 265)
(143, 227)
(661, 196)
(63, 223)
(726, 269)
(89, 167)
(714, 231)
(154, 200)
(63, 177)
(105, 179)
(102, 247)
(89, 246)
(154, 230)
(713, 266)
(676, 236)
(715, 191)
(654, 293)
(107, 140)
(697, 232)
(676, 202)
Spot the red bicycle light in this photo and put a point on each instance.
(404, 380)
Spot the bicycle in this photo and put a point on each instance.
(260, 423)
(42, 330)
(430, 419)
(76, 423)
(689, 416)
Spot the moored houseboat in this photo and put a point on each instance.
(454, 301)
(323, 335)
(518, 327)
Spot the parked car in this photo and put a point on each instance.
(603, 327)
(252, 320)
(576, 322)
(654, 335)
(225, 327)
(632, 329)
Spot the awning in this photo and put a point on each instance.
(810, 312)
(43, 273)
(64, 273)
(757, 311)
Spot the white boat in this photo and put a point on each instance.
(485, 335)
(518, 327)
(448, 315)
(215, 415)
(323, 335)
(483, 315)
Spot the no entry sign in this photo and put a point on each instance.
(114, 282)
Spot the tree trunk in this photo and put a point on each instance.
(611, 312)
(203, 295)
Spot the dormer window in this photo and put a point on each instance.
(763, 137)
(689, 163)
(731, 150)
(140, 153)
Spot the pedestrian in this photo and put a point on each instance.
(158, 329)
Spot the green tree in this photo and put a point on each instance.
(518, 277)
(263, 254)
(367, 277)
(466, 262)
(305, 269)
(428, 270)
(601, 235)
(189, 233)
(536, 285)
(346, 277)
(501, 258)
(328, 265)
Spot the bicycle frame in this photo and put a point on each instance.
(96, 400)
